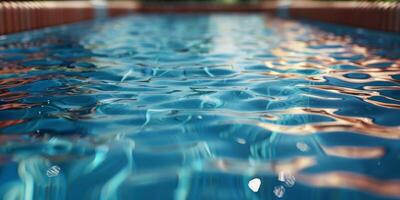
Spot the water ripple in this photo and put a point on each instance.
(195, 107)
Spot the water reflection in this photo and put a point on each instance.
(353, 181)
(355, 152)
(198, 107)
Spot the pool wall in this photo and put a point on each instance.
(382, 16)
(21, 16)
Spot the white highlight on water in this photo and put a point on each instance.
(100, 157)
(254, 184)
(302, 146)
(149, 113)
(208, 72)
(210, 101)
(241, 141)
(126, 75)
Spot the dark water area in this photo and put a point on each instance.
(213, 106)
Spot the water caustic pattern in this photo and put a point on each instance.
(198, 107)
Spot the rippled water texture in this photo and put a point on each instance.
(198, 107)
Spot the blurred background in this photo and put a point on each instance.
(239, 1)
(21, 15)
(220, 1)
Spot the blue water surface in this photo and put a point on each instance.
(199, 106)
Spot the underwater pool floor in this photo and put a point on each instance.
(212, 106)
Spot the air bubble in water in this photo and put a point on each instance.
(302, 146)
(279, 191)
(287, 178)
(53, 171)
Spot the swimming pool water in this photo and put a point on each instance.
(212, 106)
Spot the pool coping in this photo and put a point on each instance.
(22, 16)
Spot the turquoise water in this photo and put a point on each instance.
(213, 106)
